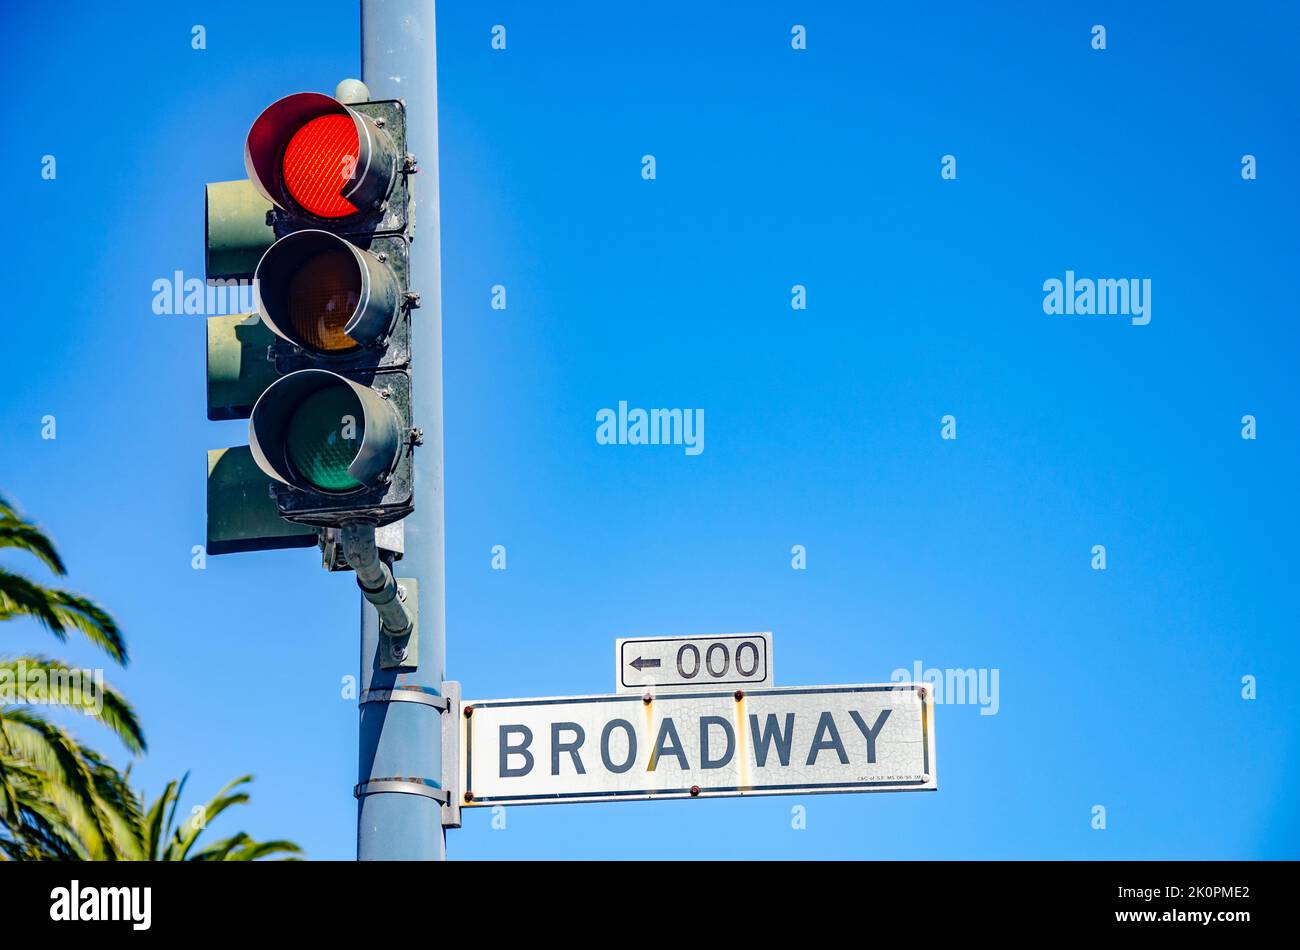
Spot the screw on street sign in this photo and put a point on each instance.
(692, 663)
(796, 740)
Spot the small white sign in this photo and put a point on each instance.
(692, 663)
(800, 740)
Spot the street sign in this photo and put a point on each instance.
(792, 741)
(692, 663)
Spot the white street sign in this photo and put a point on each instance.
(692, 663)
(796, 740)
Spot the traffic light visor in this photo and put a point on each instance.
(318, 431)
(324, 294)
(310, 154)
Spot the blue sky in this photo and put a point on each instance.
(774, 167)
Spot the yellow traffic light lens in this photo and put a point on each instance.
(323, 296)
(324, 436)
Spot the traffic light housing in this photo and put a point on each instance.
(322, 371)
(336, 302)
(334, 432)
(337, 447)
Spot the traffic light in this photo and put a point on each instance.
(334, 431)
(322, 368)
(338, 448)
(334, 302)
(324, 164)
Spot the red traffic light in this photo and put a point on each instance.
(310, 154)
(326, 143)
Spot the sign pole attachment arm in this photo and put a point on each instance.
(451, 754)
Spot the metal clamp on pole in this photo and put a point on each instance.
(410, 786)
(404, 694)
(394, 598)
(447, 793)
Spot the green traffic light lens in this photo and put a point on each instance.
(324, 436)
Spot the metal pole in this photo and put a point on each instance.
(403, 740)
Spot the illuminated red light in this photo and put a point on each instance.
(319, 162)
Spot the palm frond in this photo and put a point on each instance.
(67, 688)
(242, 847)
(187, 834)
(169, 829)
(181, 841)
(256, 850)
(59, 611)
(221, 850)
(25, 536)
(70, 782)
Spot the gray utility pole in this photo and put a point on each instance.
(399, 768)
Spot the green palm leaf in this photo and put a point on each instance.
(25, 536)
(58, 799)
(162, 840)
(241, 847)
(184, 837)
(8, 510)
(100, 701)
(221, 850)
(59, 611)
(68, 784)
(255, 851)
(154, 825)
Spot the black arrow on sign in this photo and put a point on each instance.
(640, 663)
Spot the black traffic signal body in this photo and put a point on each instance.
(334, 430)
(322, 368)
